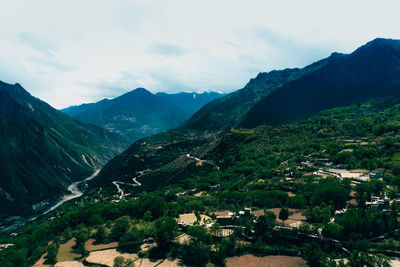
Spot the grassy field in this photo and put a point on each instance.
(65, 251)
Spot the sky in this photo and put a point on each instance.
(73, 52)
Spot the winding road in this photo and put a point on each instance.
(201, 161)
(135, 183)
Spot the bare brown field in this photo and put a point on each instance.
(89, 246)
(169, 263)
(107, 256)
(145, 262)
(268, 261)
(69, 264)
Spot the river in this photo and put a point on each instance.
(75, 192)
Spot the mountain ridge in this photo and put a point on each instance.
(139, 113)
(42, 150)
(343, 80)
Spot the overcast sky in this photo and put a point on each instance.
(71, 52)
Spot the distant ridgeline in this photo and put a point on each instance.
(139, 113)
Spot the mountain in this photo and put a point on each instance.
(227, 112)
(42, 150)
(191, 102)
(371, 71)
(133, 115)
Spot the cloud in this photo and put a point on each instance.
(69, 52)
(38, 43)
(52, 65)
(166, 50)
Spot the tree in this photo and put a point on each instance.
(199, 234)
(121, 226)
(264, 224)
(314, 255)
(147, 216)
(132, 240)
(166, 228)
(52, 250)
(196, 254)
(82, 236)
(20, 258)
(96, 219)
(284, 214)
(119, 261)
(100, 234)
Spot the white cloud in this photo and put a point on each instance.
(80, 51)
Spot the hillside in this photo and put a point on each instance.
(325, 172)
(42, 150)
(372, 71)
(139, 113)
(227, 112)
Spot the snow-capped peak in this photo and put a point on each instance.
(207, 90)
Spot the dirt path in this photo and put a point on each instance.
(201, 161)
(135, 183)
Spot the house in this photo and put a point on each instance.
(215, 187)
(225, 217)
(376, 175)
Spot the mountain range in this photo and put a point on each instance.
(139, 113)
(369, 73)
(41, 142)
(312, 152)
(42, 150)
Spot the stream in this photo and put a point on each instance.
(75, 192)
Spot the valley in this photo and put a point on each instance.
(300, 167)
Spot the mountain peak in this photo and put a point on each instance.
(138, 92)
(380, 44)
(141, 90)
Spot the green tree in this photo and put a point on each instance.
(264, 224)
(147, 216)
(100, 234)
(119, 261)
(166, 229)
(284, 214)
(121, 226)
(52, 251)
(132, 240)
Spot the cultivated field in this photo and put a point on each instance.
(190, 218)
(89, 246)
(69, 264)
(106, 257)
(268, 261)
(65, 251)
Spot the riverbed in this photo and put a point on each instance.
(75, 192)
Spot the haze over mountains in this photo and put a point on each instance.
(42, 150)
(370, 73)
(140, 113)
